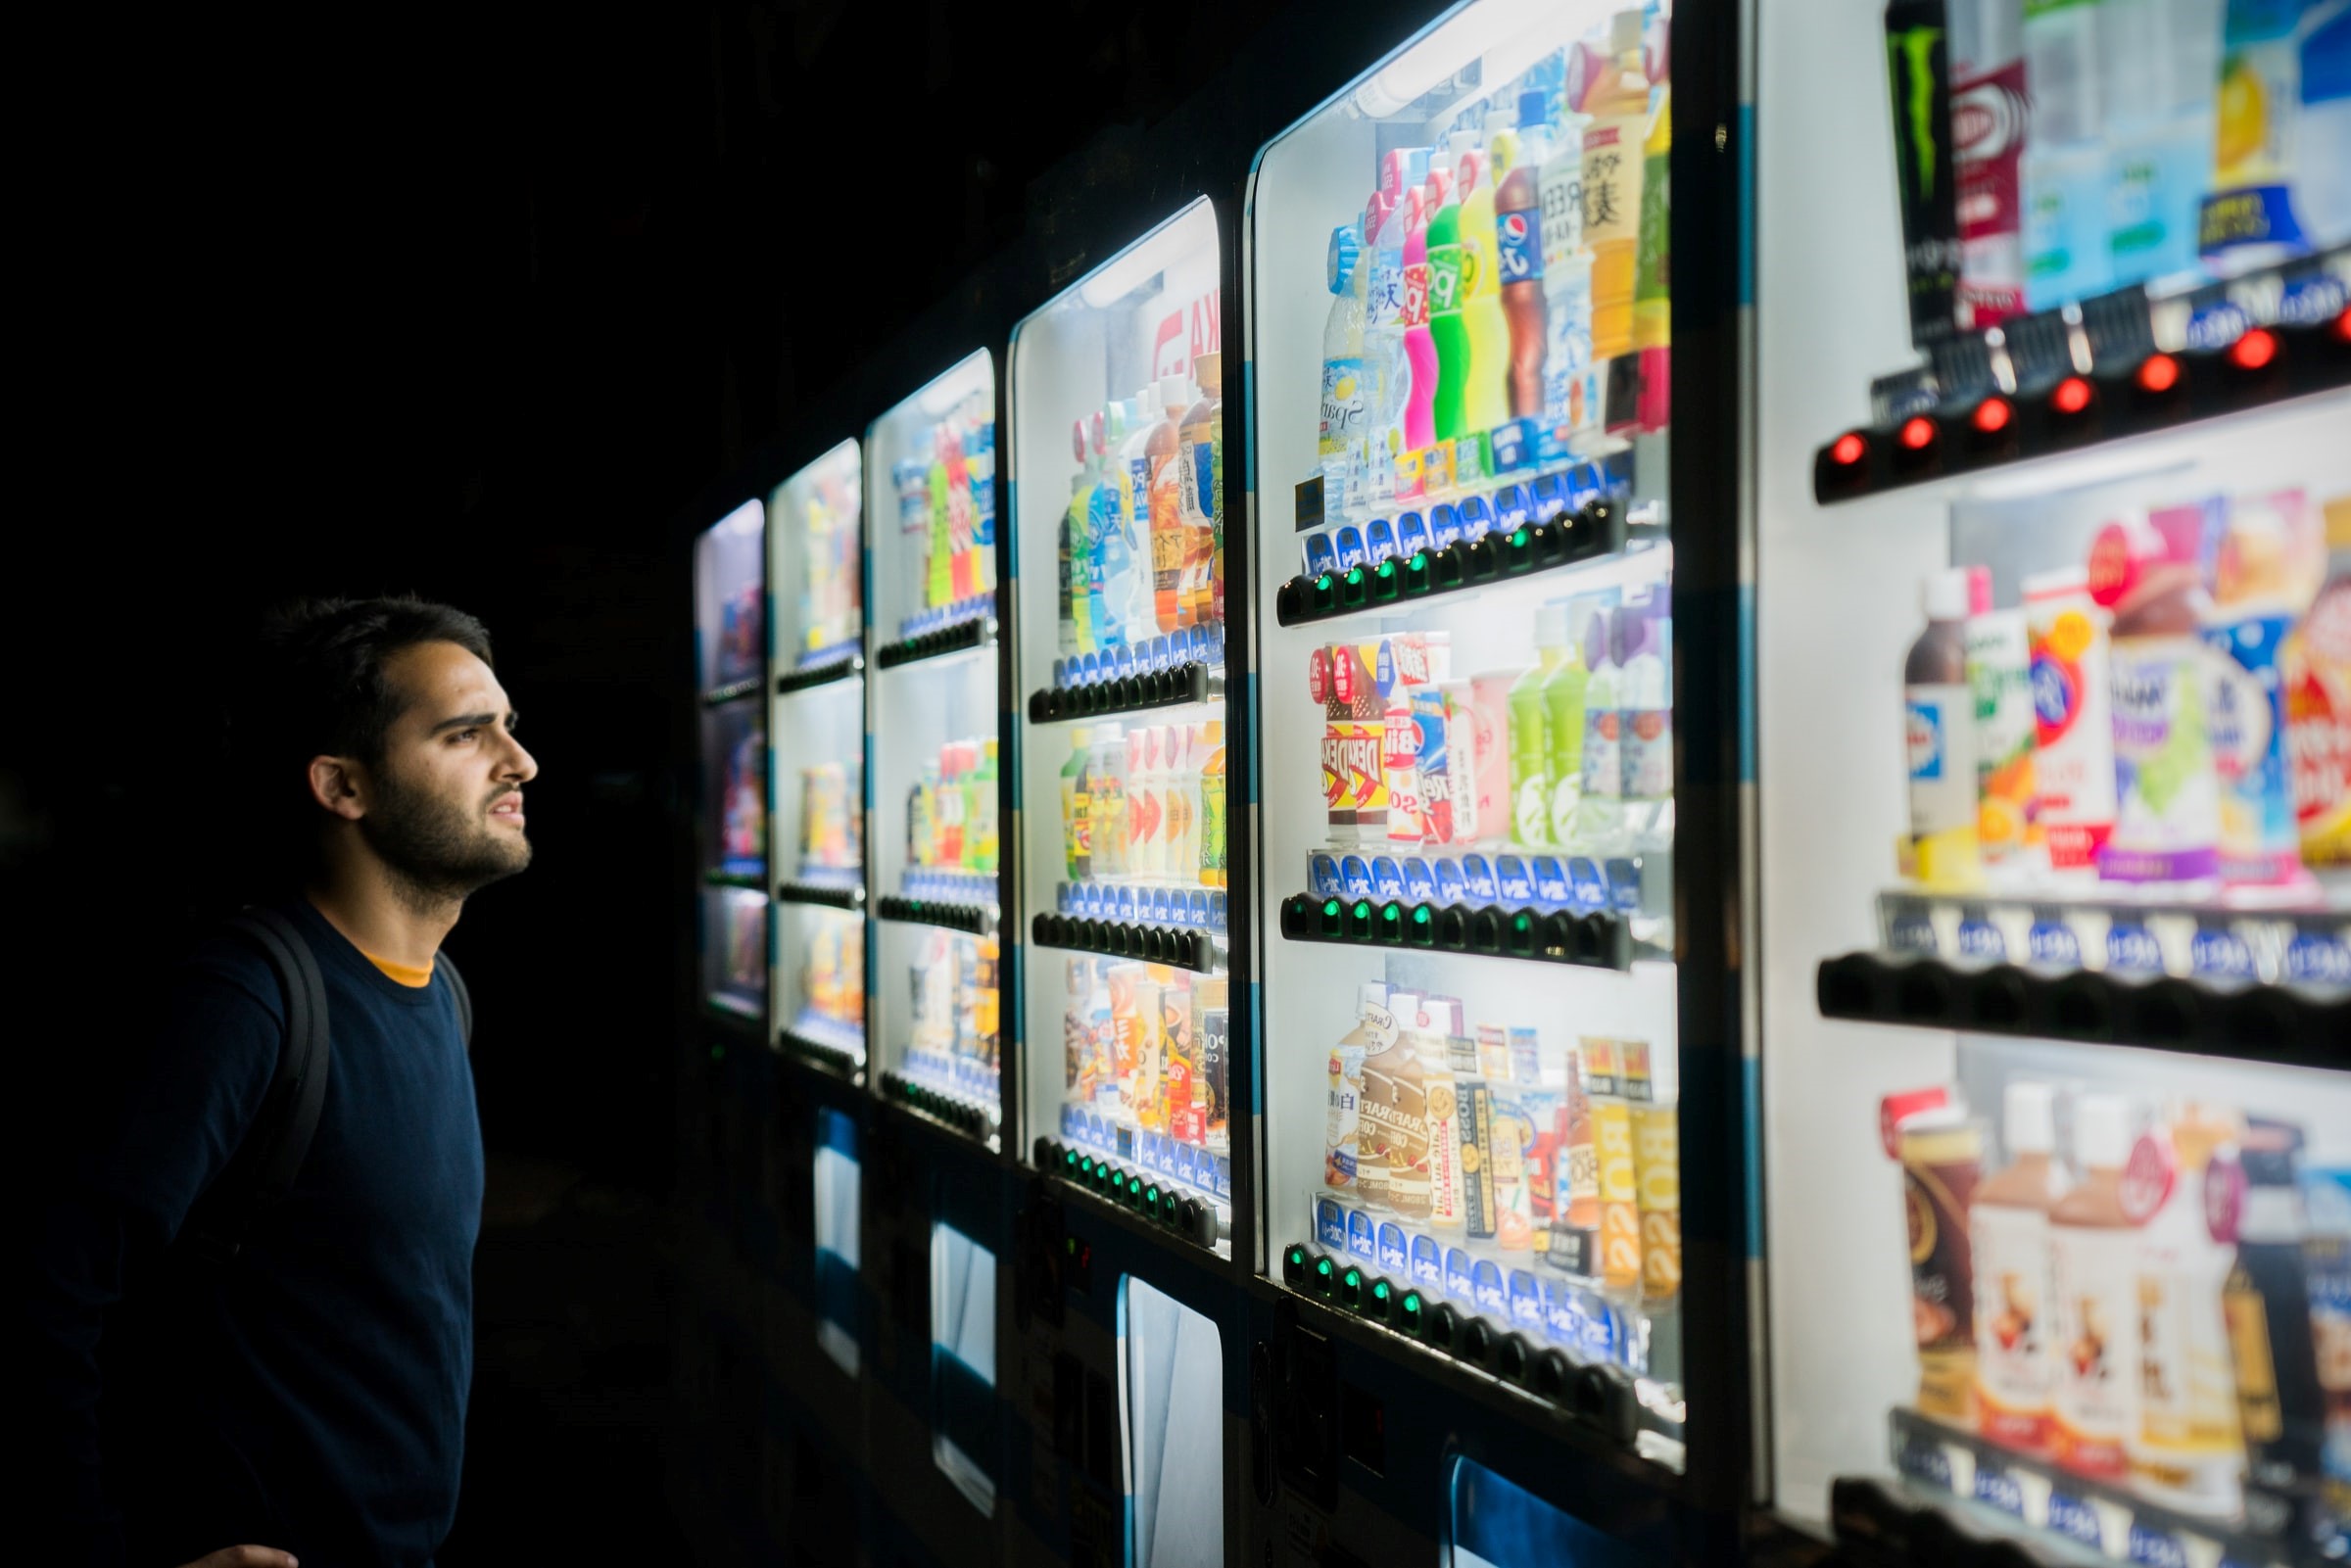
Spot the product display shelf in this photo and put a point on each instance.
(1599, 531)
(966, 635)
(1965, 1499)
(1595, 1397)
(836, 1050)
(1177, 1202)
(960, 1111)
(2111, 369)
(1598, 939)
(735, 879)
(839, 667)
(1200, 951)
(975, 918)
(831, 893)
(1174, 687)
(733, 1009)
(731, 691)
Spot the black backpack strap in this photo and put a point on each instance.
(464, 998)
(263, 1168)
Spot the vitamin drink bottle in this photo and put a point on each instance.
(1485, 393)
(1450, 335)
(1419, 348)
(1519, 256)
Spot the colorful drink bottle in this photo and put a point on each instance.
(1450, 336)
(1419, 348)
(1519, 256)
(2073, 762)
(1485, 392)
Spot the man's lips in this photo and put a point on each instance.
(507, 808)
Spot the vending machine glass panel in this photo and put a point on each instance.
(2052, 556)
(836, 1180)
(938, 862)
(1463, 599)
(817, 566)
(1492, 1522)
(963, 1363)
(734, 952)
(1171, 1391)
(730, 592)
(1118, 421)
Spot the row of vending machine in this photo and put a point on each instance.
(1700, 911)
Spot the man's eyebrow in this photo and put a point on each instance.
(470, 721)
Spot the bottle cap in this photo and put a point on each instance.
(1174, 393)
(2119, 556)
(1945, 595)
(1209, 370)
(1077, 441)
(2101, 1131)
(2029, 1111)
(1078, 738)
(2270, 1152)
(1339, 264)
(1370, 995)
(1551, 626)
(1534, 108)
(1979, 589)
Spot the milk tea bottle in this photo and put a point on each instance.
(2094, 1258)
(2008, 1229)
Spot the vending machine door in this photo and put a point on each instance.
(730, 568)
(2052, 506)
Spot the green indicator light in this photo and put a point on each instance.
(1117, 1181)
(1297, 1257)
(1522, 922)
(718, 1052)
(1325, 583)
(1362, 910)
(1412, 1303)
(1151, 1194)
(1355, 574)
(1322, 1266)
(1330, 907)
(1420, 915)
(1379, 1291)
(1069, 1244)
(1387, 568)
(1419, 563)
(1519, 538)
(1353, 1279)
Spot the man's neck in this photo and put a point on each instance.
(380, 916)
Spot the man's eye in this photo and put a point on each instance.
(466, 735)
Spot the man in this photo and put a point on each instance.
(305, 1397)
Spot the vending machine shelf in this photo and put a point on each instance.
(731, 691)
(1962, 1489)
(754, 881)
(2111, 369)
(960, 1113)
(1201, 952)
(1599, 1399)
(834, 1055)
(816, 674)
(1178, 686)
(832, 895)
(732, 1010)
(2293, 1025)
(975, 918)
(1596, 532)
(965, 636)
(2296, 935)
(1161, 1200)
(1592, 940)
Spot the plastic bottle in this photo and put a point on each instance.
(1419, 348)
(1519, 256)
(980, 469)
(2253, 214)
(1076, 835)
(1938, 734)
(1990, 115)
(2265, 1302)
(1441, 198)
(2167, 822)
(2067, 254)
(987, 809)
(1999, 672)
(1106, 786)
(1648, 726)
(1564, 722)
(1161, 446)
(2093, 1251)
(2318, 674)
(2159, 133)
(1146, 849)
(1111, 566)
(1211, 805)
(1384, 356)
(1570, 380)
(1486, 388)
(1941, 1151)
(1598, 825)
(1183, 851)
(2008, 1236)
(1613, 174)
(1203, 435)
(1530, 734)
(2186, 1448)
(1395, 1117)
(1345, 418)
(1653, 271)
(2073, 730)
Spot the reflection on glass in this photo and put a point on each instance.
(1174, 1412)
(1494, 1523)
(734, 951)
(838, 1175)
(963, 1363)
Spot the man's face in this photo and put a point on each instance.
(445, 806)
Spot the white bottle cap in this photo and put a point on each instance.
(1079, 740)
(1945, 595)
(1406, 1005)
(2101, 1131)
(1174, 393)
(1370, 995)
(2031, 1111)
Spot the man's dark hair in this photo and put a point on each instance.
(317, 684)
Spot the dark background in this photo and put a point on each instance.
(473, 303)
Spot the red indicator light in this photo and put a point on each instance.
(2071, 397)
(1991, 416)
(2160, 374)
(1849, 450)
(2256, 349)
(1918, 432)
(2342, 326)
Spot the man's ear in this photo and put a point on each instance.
(338, 784)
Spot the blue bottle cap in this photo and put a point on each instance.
(1339, 264)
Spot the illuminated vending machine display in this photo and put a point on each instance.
(939, 856)
(818, 718)
(1460, 346)
(2052, 593)
(730, 646)
(1118, 395)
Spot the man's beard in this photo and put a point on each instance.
(438, 850)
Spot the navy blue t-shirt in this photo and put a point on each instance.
(311, 1393)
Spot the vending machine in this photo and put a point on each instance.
(821, 802)
(2051, 558)
(937, 1226)
(1466, 513)
(1125, 1355)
